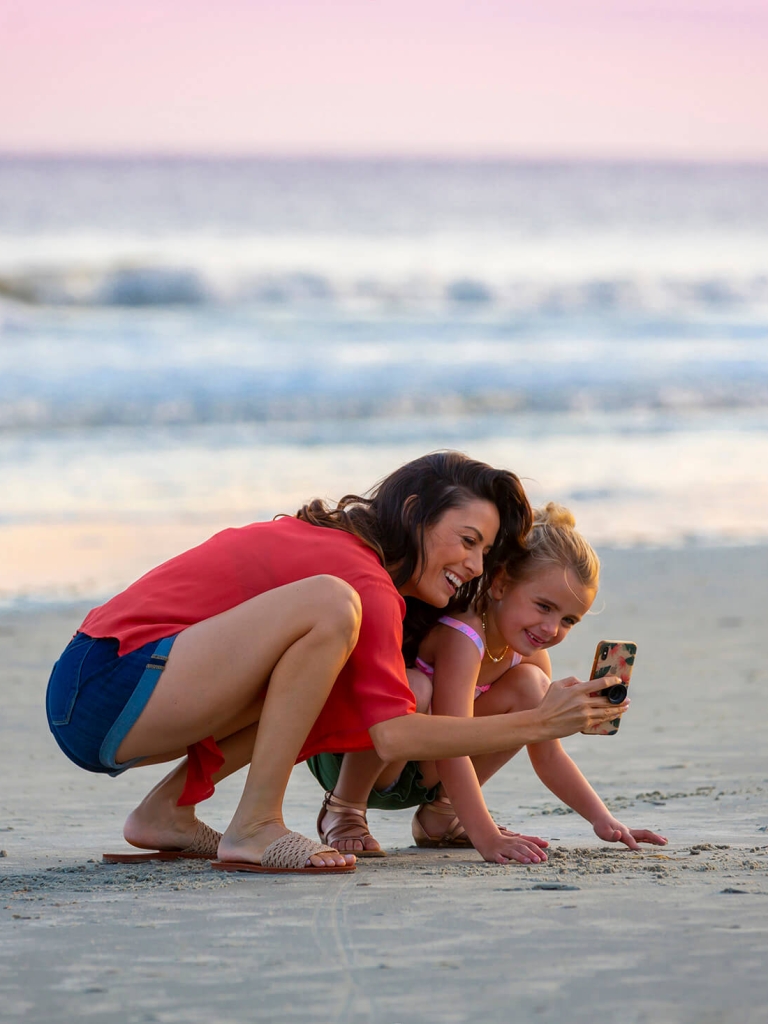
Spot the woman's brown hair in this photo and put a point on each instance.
(393, 517)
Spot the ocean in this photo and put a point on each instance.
(188, 344)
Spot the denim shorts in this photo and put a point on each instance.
(95, 696)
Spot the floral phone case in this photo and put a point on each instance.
(612, 658)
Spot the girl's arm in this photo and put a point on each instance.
(457, 665)
(556, 769)
(562, 777)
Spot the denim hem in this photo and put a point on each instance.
(130, 713)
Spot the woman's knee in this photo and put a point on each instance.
(339, 610)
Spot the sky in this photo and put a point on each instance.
(458, 78)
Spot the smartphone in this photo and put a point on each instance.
(612, 658)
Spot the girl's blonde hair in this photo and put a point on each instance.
(554, 540)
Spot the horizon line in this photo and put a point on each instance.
(388, 156)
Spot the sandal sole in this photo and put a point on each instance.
(133, 858)
(259, 869)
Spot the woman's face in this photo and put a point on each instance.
(455, 547)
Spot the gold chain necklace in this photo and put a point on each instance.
(503, 654)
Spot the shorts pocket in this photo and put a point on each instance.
(64, 684)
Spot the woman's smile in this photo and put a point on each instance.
(455, 547)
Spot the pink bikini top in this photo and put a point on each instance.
(477, 640)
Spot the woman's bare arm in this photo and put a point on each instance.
(567, 708)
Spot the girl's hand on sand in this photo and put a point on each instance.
(568, 708)
(612, 831)
(508, 846)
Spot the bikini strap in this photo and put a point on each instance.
(462, 627)
(425, 667)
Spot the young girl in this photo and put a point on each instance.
(277, 640)
(491, 659)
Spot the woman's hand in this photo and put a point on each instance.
(568, 706)
(507, 846)
(612, 831)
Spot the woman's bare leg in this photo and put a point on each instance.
(273, 659)
(158, 823)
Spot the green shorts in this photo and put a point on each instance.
(406, 792)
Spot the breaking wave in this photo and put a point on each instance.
(94, 411)
(182, 286)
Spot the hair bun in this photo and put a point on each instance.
(555, 541)
(554, 515)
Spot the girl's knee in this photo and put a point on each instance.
(533, 686)
(421, 685)
(525, 686)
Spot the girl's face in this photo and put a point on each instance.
(455, 547)
(537, 613)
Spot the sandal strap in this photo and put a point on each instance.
(454, 833)
(350, 823)
(336, 805)
(292, 851)
(441, 805)
(454, 830)
(205, 843)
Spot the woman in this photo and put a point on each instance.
(272, 642)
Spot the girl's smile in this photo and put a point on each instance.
(537, 613)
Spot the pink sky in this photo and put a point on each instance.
(445, 77)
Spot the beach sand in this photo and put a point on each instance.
(678, 934)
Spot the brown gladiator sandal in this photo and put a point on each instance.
(454, 836)
(352, 824)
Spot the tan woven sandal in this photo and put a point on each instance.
(287, 855)
(205, 846)
(454, 836)
(352, 824)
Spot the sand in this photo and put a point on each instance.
(672, 935)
